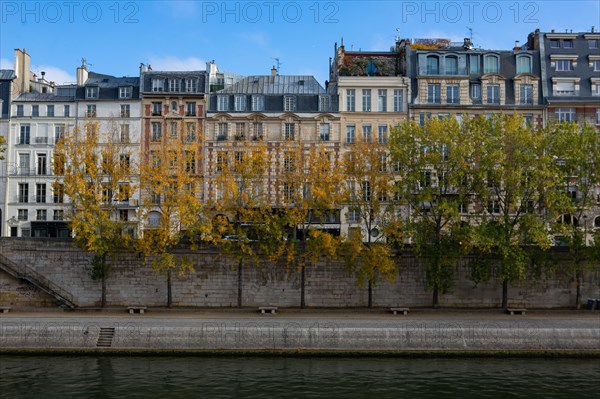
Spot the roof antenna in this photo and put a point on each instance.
(277, 63)
(470, 34)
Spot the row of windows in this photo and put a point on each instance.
(41, 214)
(569, 65)
(367, 133)
(90, 111)
(175, 85)
(366, 100)
(92, 92)
(174, 130)
(448, 65)
(434, 93)
(242, 131)
(257, 103)
(190, 108)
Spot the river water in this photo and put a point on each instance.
(287, 377)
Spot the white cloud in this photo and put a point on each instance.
(5, 63)
(54, 74)
(171, 63)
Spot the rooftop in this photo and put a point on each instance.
(279, 84)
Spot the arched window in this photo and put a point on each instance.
(154, 219)
(451, 65)
(597, 222)
(433, 65)
(491, 64)
(568, 219)
(174, 106)
(523, 64)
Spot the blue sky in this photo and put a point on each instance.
(244, 36)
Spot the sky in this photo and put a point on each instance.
(245, 37)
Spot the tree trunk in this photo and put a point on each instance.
(578, 293)
(169, 293)
(370, 294)
(505, 293)
(435, 297)
(302, 286)
(103, 295)
(239, 293)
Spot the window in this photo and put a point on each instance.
(474, 63)
(597, 116)
(288, 192)
(59, 131)
(493, 94)
(240, 131)
(528, 119)
(523, 64)
(382, 134)
(240, 103)
(190, 109)
(554, 43)
(397, 100)
(451, 65)
(158, 85)
(258, 103)
(59, 193)
(353, 215)
(526, 94)
(567, 43)
(564, 65)
(20, 110)
(124, 162)
(41, 214)
(42, 165)
(156, 131)
(35, 110)
(366, 133)
(173, 129)
(382, 100)
(324, 132)
(174, 107)
(222, 134)
(351, 100)
(190, 162)
(494, 207)
(423, 117)
(23, 192)
(191, 85)
(383, 162)
(174, 85)
(258, 130)
(425, 180)
(365, 187)
(156, 109)
(289, 103)
(91, 92)
(91, 111)
(564, 88)
(50, 110)
(593, 43)
(433, 93)
(223, 103)
(350, 134)
(596, 65)
(221, 161)
(475, 91)
(323, 103)
(433, 65)
(490, 64)
(24, 137)
(289, 132)
(154, 216)
(125, 92)
(24, 164)
(190, 136)
(67, 110)
(452, 94)
(40, 196)
(565, 114)
(22, 215)
(366, 100)
(125, 110)
(288, 162)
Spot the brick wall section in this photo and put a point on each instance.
(215, 282)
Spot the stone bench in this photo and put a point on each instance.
(268, 309)
(136, 309)
(400, 310)
(514, 311)
(4, 309)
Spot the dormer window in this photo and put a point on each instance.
(491, 64)
(158, 85)
(323, 103)
(258, 103)
(289, 103)
(433, 65)
(91, 92)
(240, 102)
(191, 85)
(523, 64)
(451, 65)
(223, 103)
(174, 85)
(125, 92)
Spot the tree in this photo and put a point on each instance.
(519, 175)
(310, 182)
(2, 147)
(98, 176)
(245, 225)
(371, 199)
(435, 169)
(170, 208)
(576, 152)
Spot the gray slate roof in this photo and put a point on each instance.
(280, 84)
(42, 97)
(107, 81)
(7, 74)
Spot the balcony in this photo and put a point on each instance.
(222, 137)
(41, 140)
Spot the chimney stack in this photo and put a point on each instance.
(273, 71)
(143, 68)
(517, 47)
(82, 75)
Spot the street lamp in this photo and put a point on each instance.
(13, 222)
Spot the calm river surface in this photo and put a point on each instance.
(278, 377)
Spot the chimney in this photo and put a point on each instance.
(43, 78)
(273, 71)
(517, 47)
(467, 44)
(593, 29)
(82, 75)
(23, 71)
(143, 68)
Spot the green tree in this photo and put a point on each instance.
(436, 170)
(2, 147)
(371, 197)
(170, 209)
(519, 175)
(97, 174)
(576, 152)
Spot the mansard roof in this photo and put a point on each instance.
(279, 84)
